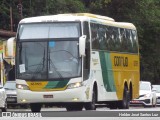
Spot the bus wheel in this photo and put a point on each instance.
(91, 105)
(35, 107)
(124, 104)
(74, 107)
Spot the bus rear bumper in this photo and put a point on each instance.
(68, 95)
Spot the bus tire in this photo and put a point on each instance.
(74, 107)
(124, 104)
(35, 107)
(91, 105)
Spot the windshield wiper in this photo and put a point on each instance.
(38, 70)
(53, 66)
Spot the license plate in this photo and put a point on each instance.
(135, 101)
(11, 99)
(47, 96)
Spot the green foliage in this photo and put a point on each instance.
(149, 21)
(48, 7)
(64, 6)
(5, 14)
(98, 6)
(36, 8)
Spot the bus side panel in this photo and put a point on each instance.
(100, 63)
(116, 69)
(125, 68)
(107, 73)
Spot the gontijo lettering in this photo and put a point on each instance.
(120, 61)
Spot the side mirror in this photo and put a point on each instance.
(82, 45)
(11, 46)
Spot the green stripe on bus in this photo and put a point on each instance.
(56, 84)
(107, 73)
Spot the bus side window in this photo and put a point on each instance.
(116, 39)
(107, 37)
(94, 34)
(135, 44)
(129, 41)
(111, 39)
(102, 36)
(86, 64)
(123, 40)
(86, 31)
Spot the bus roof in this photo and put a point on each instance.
(90, 15)
(79, 17)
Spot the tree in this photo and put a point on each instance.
(36, 8)
(64, 6)
(5, 14)
(97, 6)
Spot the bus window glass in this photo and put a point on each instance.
(86, 63)
(129, 41)
(135, 42)
(107, 37)
(63, 60)
(64, 30)
(94, 34)
(111, 39)
(29, 31)
(86, 30)
(116, 39)
(48, 30)
(102, 37)
(32, 60)
(123, 40)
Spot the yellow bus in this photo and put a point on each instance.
(76, 60)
